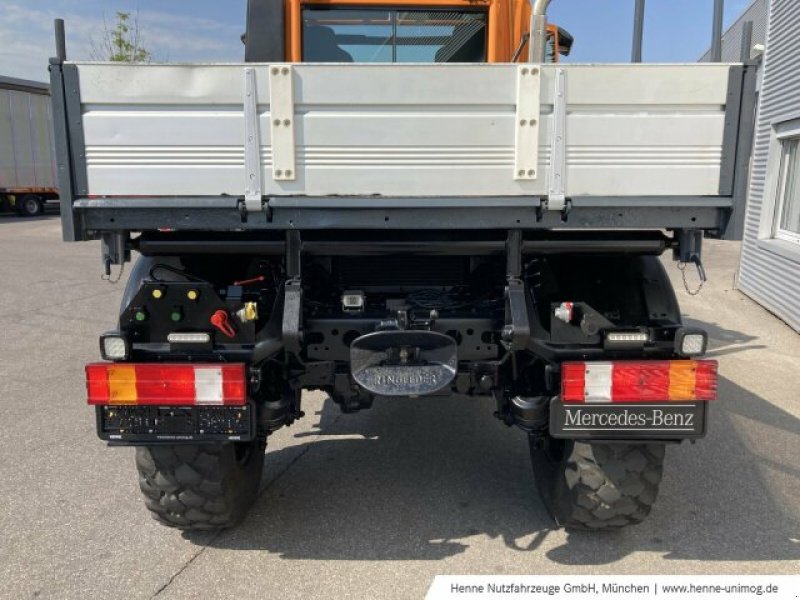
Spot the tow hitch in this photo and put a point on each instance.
(404, 363)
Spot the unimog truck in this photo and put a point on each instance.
(401, 201)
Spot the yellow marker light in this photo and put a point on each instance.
(122, 384)
(157, 294)
(192, 294)
(682, 380)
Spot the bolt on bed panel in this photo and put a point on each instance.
(404, 130)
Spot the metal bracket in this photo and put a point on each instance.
(556, 184)
(689, 245)
(281, 111)
(294, 250)
(315, 374)
(526, 148)
(292, 326)
(114, 247)
(252, 144)
(514, 254)
(517, 330)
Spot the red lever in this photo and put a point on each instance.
(220, 320)
(249, 281)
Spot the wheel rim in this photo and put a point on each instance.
(31, 206)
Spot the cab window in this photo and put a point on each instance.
(386, 36)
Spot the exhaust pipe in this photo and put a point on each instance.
(538, 31)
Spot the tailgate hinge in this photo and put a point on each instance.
(556, 183)
(253, 201)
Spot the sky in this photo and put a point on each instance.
(209, 30)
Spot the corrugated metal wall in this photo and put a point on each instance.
(769, 278)
(732, 38)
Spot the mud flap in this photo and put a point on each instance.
(404, 363)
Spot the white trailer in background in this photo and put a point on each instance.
(27, 165)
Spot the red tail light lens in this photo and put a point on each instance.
(639, 381)
(573, 382)
(166, 384)
(706, 380)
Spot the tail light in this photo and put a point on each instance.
(639, 381)
(166, 384)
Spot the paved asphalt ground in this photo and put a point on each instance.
(371, 505)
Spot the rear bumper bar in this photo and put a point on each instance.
(228, 214)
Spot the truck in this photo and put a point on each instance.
(27, 161)
(391, 202)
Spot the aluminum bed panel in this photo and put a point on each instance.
(403, 130)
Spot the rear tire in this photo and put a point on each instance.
(200, 486)
(597, 485)
(30, 206)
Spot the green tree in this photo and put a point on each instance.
(122, 42)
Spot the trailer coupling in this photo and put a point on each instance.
(404, 363)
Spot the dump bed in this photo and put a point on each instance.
(348, 145)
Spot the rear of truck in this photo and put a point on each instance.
(400, 230)
(27, 164)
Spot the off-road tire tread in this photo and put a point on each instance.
(197, 487)
(605, 486)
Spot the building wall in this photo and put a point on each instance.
(770, 269)
(732, 38)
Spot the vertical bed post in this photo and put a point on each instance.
(638, 32)
(716, 35)
(70, 228)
